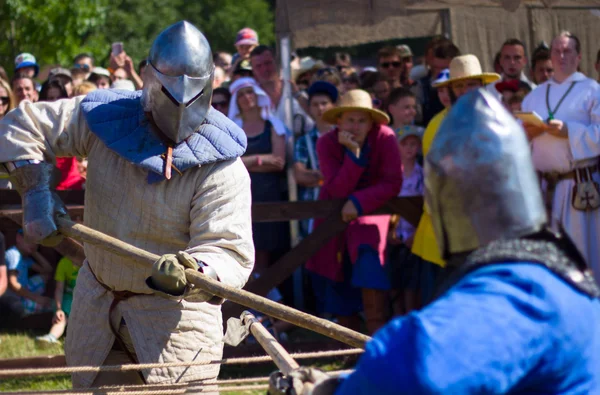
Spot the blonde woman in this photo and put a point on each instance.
(7, 100)
(83, 88)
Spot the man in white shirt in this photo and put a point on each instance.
(266, 73)
(566, 149)
(513, 62)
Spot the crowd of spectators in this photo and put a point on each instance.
(360, 135)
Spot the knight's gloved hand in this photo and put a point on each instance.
(41, 204)
(302, 381)
(168, 277)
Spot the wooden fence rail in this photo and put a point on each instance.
(410, 208)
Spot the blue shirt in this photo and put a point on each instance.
(301, 155)
(507, 328)
(19, 263)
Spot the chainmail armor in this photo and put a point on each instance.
(544, 253)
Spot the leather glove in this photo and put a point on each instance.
(41, 204)
(168, 277)
(302, 381)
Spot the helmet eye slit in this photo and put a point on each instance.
(166, 92)
(194, 98)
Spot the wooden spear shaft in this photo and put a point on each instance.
(280, 356)
(272, 309)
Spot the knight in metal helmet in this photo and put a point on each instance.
(178, 81)
(521, 312)
(165, 175)
(485, 197)
(474, 194)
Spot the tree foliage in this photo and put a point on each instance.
(54, 31)
(220, 20)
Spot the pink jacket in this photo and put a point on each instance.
(342, 171)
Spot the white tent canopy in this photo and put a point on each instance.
(477, 26)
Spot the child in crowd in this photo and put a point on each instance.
(245, 41)
(65, 277)
(379, 87)
(322, 97)
(514, 103)
(510, 89)
(405, 268)
(27, 291)
(443, 91)
(402, 106)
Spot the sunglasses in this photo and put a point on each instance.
(4, 99)
(84, 67)
(386, 65)
(219, 103)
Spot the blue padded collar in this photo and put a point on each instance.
(117, 118)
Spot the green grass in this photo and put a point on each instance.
(22, 345)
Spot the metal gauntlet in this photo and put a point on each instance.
(36, 183)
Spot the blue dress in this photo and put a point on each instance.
(505, 328)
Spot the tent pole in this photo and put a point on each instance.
(285, 52)
(446, 23)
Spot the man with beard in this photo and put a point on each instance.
(513, 62)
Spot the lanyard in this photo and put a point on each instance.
(550, 111)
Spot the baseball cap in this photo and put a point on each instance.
(443, 76)
(243, 67)
(325, 88)
(512, 86)
(100, 71)
(126, 85)
(59, 71)
(405, 51)
(409, 130)
(26, 60)
(246, 36)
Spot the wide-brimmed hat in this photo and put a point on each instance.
(306, 64)
(466, 67)
(356, 100)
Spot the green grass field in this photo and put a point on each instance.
(21, 345)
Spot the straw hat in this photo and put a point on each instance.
(356, 100)
(306, 64)
(465, 67)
